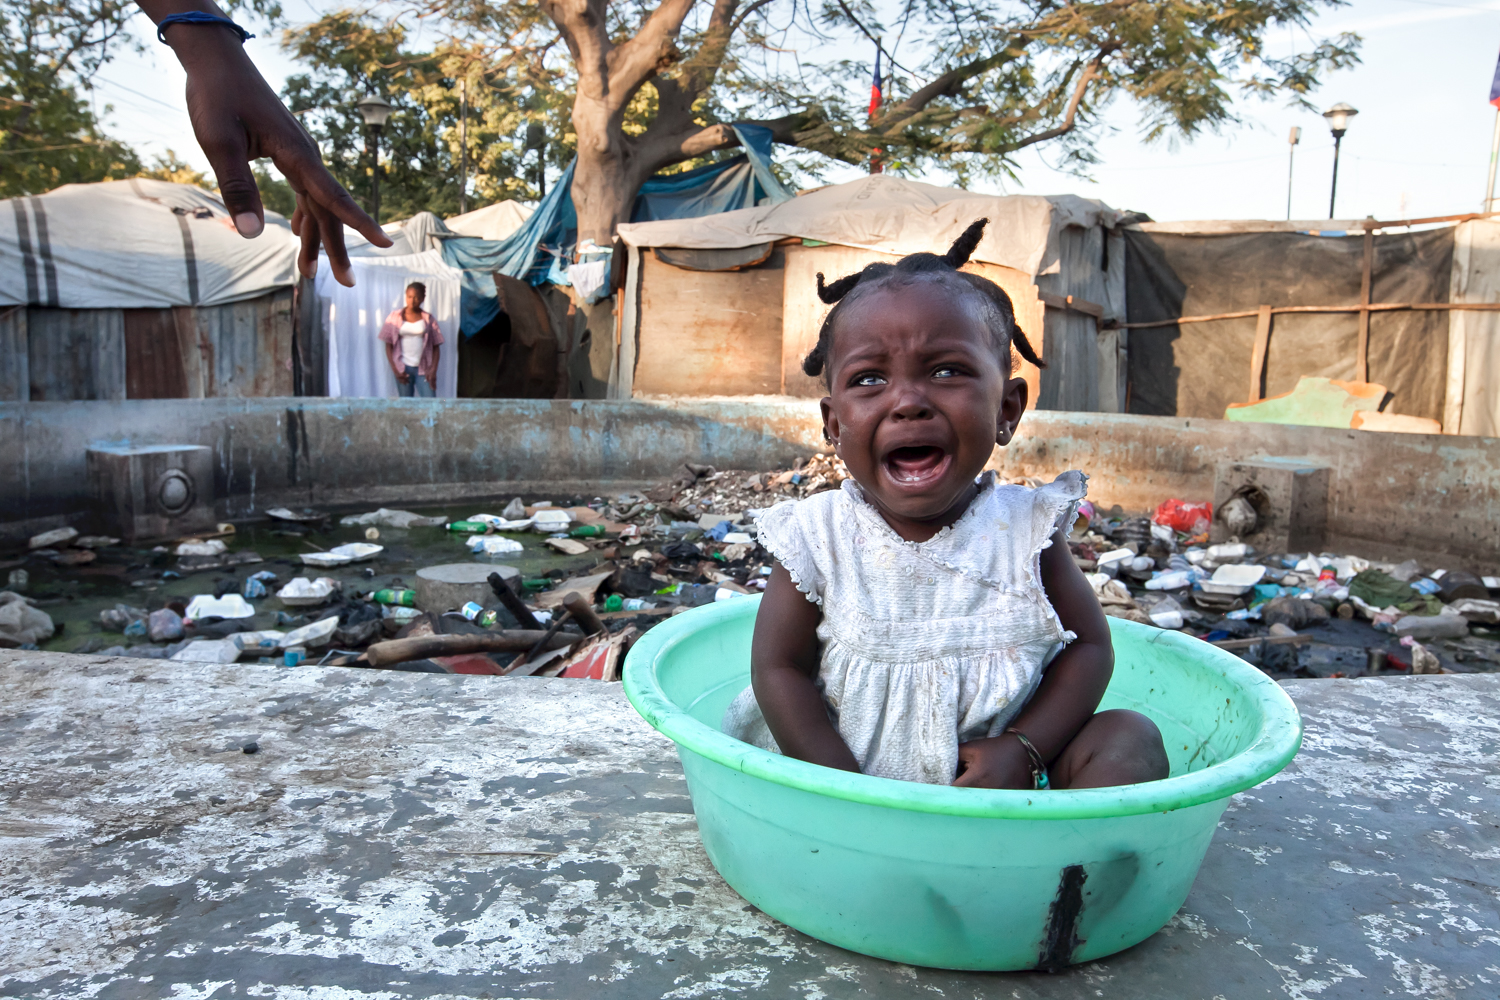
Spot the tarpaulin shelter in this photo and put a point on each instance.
(1225, 312)
(727, 304)
(492, 222)
(544, 247)
(142, 289)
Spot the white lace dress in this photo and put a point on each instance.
(924, 645)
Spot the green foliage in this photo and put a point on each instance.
(171, 168)
(275, 194)
(50, 51)
(350, 55)
(48, 133)
(1020, 74)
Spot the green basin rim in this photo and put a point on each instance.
(1277, 742)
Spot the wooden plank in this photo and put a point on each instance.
(1072, 303)
(75, 354)
(1258, 353)
(1280, 310)
(705, 333)
(153, 360)
(1362, 359)
(15, 382)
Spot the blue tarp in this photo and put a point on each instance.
(540, 250)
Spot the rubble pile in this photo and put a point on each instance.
(591, 576)
(1308, 614)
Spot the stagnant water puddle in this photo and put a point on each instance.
(149, 576)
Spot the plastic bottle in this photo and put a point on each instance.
(637, 604)
(1171, 580)
(587, 531)
(539, 583)
(469, 526)
(405, 598)
(472, 610)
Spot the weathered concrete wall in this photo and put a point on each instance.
(330, 452)
(1392, 495)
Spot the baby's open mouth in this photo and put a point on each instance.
(916, 465)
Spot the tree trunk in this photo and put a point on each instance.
(603, 186)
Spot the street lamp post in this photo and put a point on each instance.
(1338, 123)
(376, 111)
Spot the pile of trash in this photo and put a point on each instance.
(622, 564)
(1162, 571)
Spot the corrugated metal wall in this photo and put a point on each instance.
(238, 350)
(14, 382)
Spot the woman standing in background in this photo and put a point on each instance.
(413, 344)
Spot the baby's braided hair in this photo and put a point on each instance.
(1000, 314)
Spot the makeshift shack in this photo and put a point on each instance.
(727, 305)
(142, 289)
(1223, 313)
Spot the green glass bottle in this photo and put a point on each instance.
(405, 598)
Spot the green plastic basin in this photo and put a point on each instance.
(962, 878)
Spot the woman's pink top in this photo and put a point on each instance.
(390, 333)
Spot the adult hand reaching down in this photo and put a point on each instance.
(237, 118)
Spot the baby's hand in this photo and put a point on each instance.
(998, 762)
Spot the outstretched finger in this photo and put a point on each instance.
(227, 157)
(306, 229)
(330, 231)
(313, 178)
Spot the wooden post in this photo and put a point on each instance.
(1258, 353)
(1362, 359)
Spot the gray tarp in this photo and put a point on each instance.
(1197, 369)
(136, 244)
(893, 216)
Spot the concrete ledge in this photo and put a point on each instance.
(1391, 495)
(362, 851)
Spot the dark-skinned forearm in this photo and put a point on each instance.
(794, 711)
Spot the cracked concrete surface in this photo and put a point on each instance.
(419, 835)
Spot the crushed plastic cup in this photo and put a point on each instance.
(293, 657)
(1230, 550)
(164, 625)
(212, 547)
(548, 521)
(228, 606)
(1166, 618)
(493, 545)
(301, 592)
(316, 634)
(263, 643)
(1234, 578)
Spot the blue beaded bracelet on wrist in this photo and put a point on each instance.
(199, 17)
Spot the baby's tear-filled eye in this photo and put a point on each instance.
(869, 378)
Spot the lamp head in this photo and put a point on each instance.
(375, 110)
(1338, 118)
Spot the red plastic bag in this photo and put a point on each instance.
(1189, 518)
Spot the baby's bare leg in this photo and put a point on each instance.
(1118, 747)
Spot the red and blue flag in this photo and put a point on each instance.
(876, 96)
(1494, 85)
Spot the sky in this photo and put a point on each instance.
(1419, 147)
